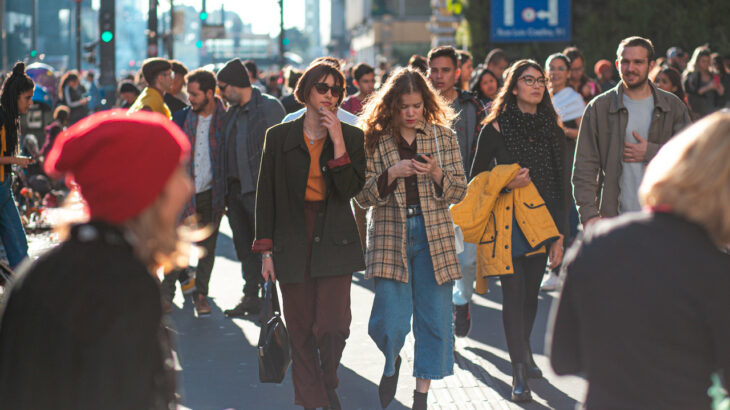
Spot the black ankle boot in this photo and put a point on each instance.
(420, 400)
(388, 384)
(333, 399)
(533, 372)
(520, 389)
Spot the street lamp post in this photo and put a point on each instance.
(78, 34)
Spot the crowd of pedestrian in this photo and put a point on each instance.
(431, 178)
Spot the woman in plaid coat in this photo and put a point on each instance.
(414, 173)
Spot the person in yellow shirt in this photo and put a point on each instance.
(158, 74)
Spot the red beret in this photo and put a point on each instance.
(120, 162)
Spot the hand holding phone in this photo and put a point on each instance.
(420, 158)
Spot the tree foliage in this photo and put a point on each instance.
(598, 27)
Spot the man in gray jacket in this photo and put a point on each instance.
(621, 131)
(250, 114)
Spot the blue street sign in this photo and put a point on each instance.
(530, 20)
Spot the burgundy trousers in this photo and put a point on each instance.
(317, 313)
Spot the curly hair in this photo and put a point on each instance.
(380, 114)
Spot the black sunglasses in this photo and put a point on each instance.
(322, 88)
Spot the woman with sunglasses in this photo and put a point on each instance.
(522, 128)
(310, 169)
(414, 173)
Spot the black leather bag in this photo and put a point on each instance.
(274, 351)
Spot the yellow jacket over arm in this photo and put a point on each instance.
(486, 215)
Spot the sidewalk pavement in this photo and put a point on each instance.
(219, 365)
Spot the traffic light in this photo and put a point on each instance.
(199, 44)
(33, 53)
(285, 41)
(90, 52)
(203, 15)
(107, 58)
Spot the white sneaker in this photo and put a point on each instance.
(551, 283)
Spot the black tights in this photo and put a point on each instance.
(519, 303)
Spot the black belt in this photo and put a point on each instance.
(413, 210)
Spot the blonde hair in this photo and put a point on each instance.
(154, 244)
(691, 175)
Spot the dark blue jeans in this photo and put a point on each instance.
(11, 229)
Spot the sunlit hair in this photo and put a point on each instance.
(380, 115)
(71, 75)
(701, 51)
(154, 244)
(506, 97)
(691, 175)
(317, 72)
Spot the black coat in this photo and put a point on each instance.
(644, 313)
(81, 329)
(336, 249)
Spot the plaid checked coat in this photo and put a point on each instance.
(386, 233)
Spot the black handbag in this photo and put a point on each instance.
(274, 351)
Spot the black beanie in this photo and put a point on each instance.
(154, 66)
(234, 73)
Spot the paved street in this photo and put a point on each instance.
(219, 366)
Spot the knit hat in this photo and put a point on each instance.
(151, 67)
(234, 73)
(120, 162)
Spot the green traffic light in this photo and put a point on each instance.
(33, 53)
(203, 15)
(199, 44)
(107, 36)
(285, 41)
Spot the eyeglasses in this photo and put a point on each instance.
(322, 88)
(531, 81)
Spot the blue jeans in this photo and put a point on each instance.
(464, 287)
(422, 297)
(11, 229)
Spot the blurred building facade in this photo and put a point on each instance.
(387, 30)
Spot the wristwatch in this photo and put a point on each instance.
(266, 255)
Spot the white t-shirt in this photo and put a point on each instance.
(202, 168)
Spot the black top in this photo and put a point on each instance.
(492, 150)
(173, 103)
(82, 329)
(644, 313)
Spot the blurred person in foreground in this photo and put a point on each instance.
(644, 312)
(82, 325)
